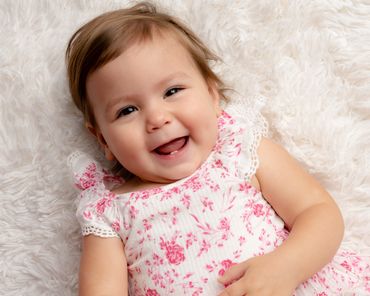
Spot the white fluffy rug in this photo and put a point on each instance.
(310, 59)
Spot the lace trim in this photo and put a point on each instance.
(252, 153)
(260, 130)
(73, 158)
(86, 230)
(250, 113)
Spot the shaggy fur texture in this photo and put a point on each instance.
(310, 59)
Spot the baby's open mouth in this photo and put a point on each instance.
(172, 147)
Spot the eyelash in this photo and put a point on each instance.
(126, 111)
(169, 91)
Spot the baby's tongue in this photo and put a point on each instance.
(172, 146)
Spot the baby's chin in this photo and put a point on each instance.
(163, 174)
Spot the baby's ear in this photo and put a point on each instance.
(99, 136)
(91, 128)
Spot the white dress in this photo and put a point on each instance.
(179, 238)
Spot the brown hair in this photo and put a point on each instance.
(107, 36)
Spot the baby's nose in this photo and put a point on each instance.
(157, 119)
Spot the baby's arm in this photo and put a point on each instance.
(103, 269)
(311, 215)
(313, 218)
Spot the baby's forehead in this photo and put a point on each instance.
(167, 40)
(163, 52)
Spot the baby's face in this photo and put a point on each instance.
(155, 111)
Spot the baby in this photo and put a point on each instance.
(208, 205)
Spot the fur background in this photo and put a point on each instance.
(310, 59)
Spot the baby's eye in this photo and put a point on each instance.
(126, 111)
(172, 91)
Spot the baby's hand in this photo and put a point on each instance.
(262, 276)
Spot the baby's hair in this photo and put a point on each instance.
(107, 36)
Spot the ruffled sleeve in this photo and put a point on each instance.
(97, 211)
(253, 127)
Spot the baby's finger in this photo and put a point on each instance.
(236, 289)
(232, 274)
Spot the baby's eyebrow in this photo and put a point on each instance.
(162, 83)
(172, 76)
(114, 101)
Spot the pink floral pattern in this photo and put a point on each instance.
(174, 252)
(179, 238)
